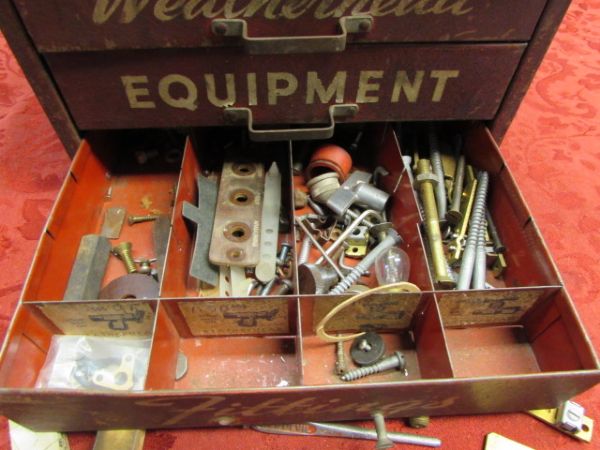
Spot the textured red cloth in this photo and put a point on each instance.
(553, 149)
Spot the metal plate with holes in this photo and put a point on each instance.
(236, 229)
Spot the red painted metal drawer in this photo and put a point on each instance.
(58, 25)
(168, 88)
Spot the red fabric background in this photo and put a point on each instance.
(553, 149)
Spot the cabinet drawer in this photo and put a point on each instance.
(168, 88)
(58, 25)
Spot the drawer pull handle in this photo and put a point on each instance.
(244, 115)
(238, 29)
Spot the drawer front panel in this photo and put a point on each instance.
(167, 88)
(59, 25)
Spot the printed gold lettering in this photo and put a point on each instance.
(275, 90)
(205, 8)
(187, 101)
(383, 7)
(251, 80)
(134, 93)
(365, 86)
(182, 414)
(321, 11)
(211, 90)
(295, 9)
(314, 85)
(163, 9)
(442, 78)
(104, 9)
(403, 84)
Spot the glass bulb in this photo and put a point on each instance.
(392, 266)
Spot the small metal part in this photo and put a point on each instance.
(132, 220)
(130, 286)
(359, 270)
(300, 199)
(238, 280)
(498, 245)
(436, 166)
(145, 266)
(418, 421)
(349, 229)
(476, 221)
(454, 214)
(499, 265)
(120, 379)
(315, 279)
(425, 182)
(456, 245)
(283, 253)
(367, 349)
(123, 251)
(358, 242)
(203, 216)
(224, 282)
(383, 441)
(340, 359)
(285, 287)
(235, 237)
(480, 266)
(269, 230)
(113, 222)
(357, 190)
(160, 237)
(559, 417)
(299, 222)
(181, 366)
(88, 269)
(395, 361)
(495, 441)
(305, 245)
(119, 439)
(315, 207)
(323, 186)
(346, 431)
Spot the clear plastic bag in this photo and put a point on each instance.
(88, 362)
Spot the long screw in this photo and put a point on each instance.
(396, 361)
(123, 251)
(383, 441)
(393, 238)
(340, 359)
(480, 260)
(454, 215)
(475, 222)
(436, 166)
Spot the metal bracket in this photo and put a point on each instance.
(238, 29)
(568, 418)
(244, 115)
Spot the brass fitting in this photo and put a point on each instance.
(426, 181)
(123, 251)
(138, 219)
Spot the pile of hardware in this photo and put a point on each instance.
(459, 228)
(236, 249)
(346, 219)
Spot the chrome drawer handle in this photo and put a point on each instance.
(244, 115)
(238, 29)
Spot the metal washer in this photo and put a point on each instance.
(367, 349)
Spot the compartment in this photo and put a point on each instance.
(35, 324)
(220, 356)
(134, 171)
(546, 337)
(204, 87)
(76, 26)
(527, 262)
(408, 323)
(205, 153)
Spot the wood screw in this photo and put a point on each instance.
(396, 361)
(138, 219)
(123, 251)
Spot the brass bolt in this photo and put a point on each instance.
(123, 251)
(418, 421)
(138, 219)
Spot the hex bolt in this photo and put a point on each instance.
(396, 361)
(425, 182)
(123, 251)
(454, 215)
(139, 219)
(393, 238)
(436, 165)
(383, 441)
(283, 253)
(475, 223)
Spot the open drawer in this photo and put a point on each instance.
(258, 358)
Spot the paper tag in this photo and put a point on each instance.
(124, 318)
(22, 438)
(236, 317)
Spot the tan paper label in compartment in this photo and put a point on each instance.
(470, 308)
(206, 317)
(382, 311)
(123, 318)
